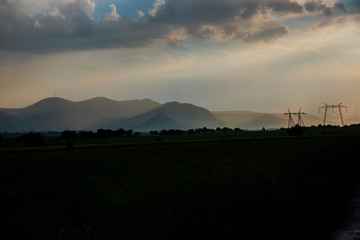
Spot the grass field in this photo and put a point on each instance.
(273, 187)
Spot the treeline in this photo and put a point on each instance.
(101, 133)
(204, 130)
(37, 139)
(108, 133)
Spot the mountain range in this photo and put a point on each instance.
(58, 114)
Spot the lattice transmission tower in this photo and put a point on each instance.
(339, 106)
(291, 122)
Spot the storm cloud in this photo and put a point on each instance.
(69, 24)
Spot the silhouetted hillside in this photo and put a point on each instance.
(178, 115)
(161, 121)
(57, 114)
(60, 114)
(5, 120)
(124, 109)
(189, 114)
(40, 106)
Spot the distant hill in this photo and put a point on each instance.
(41, 106)
(264, 120)
(6, 120)
(175, 115)
(57, 114)
(256, 120)
(235, 118)
(160, 121)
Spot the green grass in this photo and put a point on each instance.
(269, 187)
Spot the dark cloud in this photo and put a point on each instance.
(71, 26)
(14, 25)
(268, 34)
(339, 16)
(72, 21)
(243, 20)
(337, 9)
(285, 7)
(315, 6)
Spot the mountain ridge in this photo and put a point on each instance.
(184, 114)
(58, 114)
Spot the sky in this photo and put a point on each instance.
(259, 55)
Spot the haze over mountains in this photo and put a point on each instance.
(256, 120)
(57, 114)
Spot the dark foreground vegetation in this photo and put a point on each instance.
(70, 139)
(271, 188)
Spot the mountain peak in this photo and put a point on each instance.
(49, 102)
(171, 104)
(99, 98)
(52, 99)
(148, 100)
(141, 100)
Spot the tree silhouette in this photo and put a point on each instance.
(68, 134)
(128, 133)
(87, 135)
(238, 130)
(119, 133)
(154, 132)
(101, 133)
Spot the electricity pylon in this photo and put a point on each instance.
(300, 120)
(339, 106)
(291, 122)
